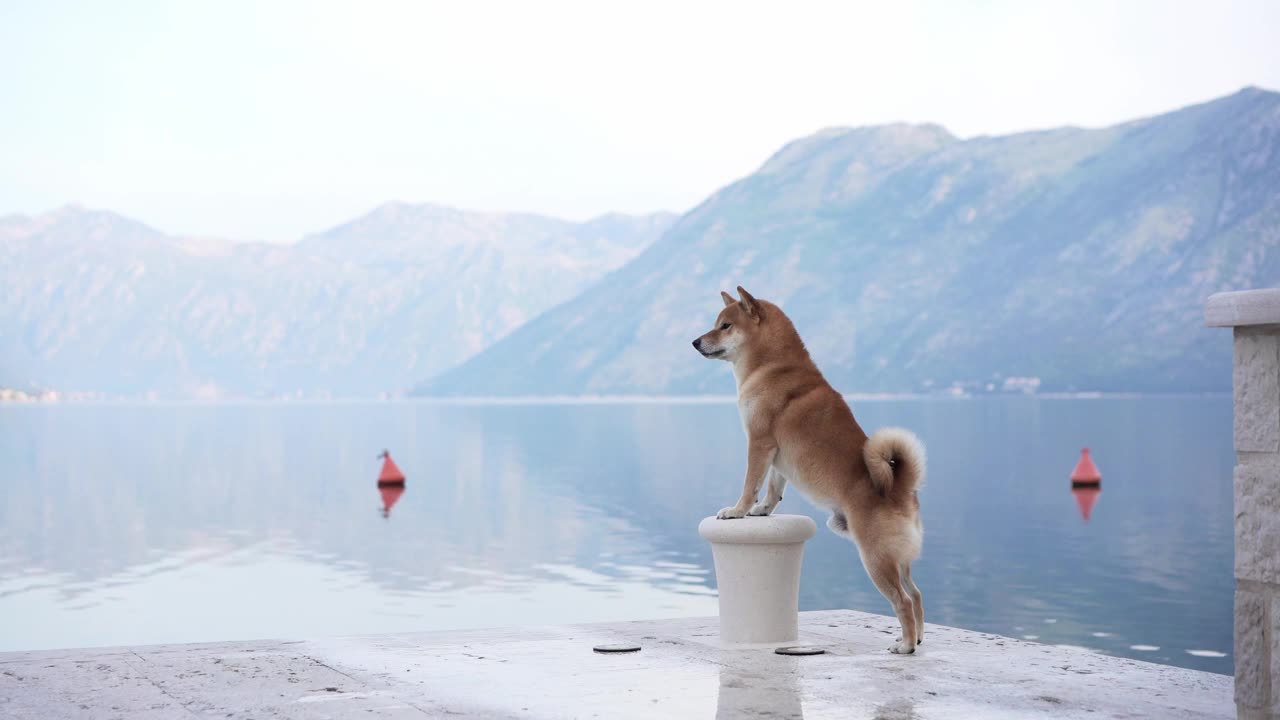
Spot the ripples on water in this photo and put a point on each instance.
(144, 524)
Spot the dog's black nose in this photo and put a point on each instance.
(697, 344)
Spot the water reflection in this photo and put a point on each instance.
(535, 514)
(772, 692)
(390, 495)
(1085, 498)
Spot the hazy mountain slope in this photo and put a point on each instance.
(910, 259)
(93, 301)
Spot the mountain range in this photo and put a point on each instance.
(92, 301)
(910, 260)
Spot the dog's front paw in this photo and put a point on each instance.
(760, 509)
(902, 648)
(730, 513)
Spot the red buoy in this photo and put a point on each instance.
(1086, 473)
(390, 474)
(1086, 496)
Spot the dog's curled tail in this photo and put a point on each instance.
(895, 460)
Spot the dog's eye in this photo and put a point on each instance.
(724, 326)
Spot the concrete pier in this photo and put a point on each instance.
(552, 672)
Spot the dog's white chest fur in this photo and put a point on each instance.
(746, 406)
(746, 411)
(744, 403)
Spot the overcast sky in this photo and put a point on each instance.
(270, 120)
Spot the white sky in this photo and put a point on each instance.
(269, 120)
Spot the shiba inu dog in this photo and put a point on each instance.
(799, 427)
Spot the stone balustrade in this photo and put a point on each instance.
(1255, 317)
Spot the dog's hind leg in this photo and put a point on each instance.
(916, 599)
(886, 573)
(772, 496)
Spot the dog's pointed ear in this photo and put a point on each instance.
(749, 303)
(728, 299)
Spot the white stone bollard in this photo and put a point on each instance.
(1255, 317)
(758, 573)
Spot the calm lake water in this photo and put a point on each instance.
(150, 524)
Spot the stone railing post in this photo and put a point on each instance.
(1255, 317)
(758, 574)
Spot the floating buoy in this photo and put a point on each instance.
(1086, 473)
(1086, 496)
(390, 474)
(390, 483)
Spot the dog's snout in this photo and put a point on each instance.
(697, 344)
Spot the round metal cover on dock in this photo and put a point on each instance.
(618, 648)
(799, 650)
